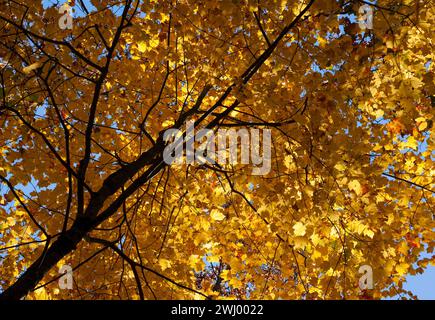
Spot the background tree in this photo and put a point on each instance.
(83, 182)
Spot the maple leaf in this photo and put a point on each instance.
(217, 215)
(299, 229)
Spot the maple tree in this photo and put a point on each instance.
(83, 181)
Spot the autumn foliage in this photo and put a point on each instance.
(83, 182)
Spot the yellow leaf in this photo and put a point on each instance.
(167, 123)
(299, 229)
(340, 166)
(369, 233)
(214, 259)
(322, 42)
(217, 215)
(379, 113)
(142, 46)
(422, 126)
(402, 268)
(411, 143)
(355, 186)
(234, 282)
(300, 242)
(196, 263)
(154, 43)
(41, 294)
(11, 221)
(165, 264)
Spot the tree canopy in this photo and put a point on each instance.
(83, 183)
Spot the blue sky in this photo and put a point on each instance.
(423, 285)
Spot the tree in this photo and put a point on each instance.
(84, 182)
